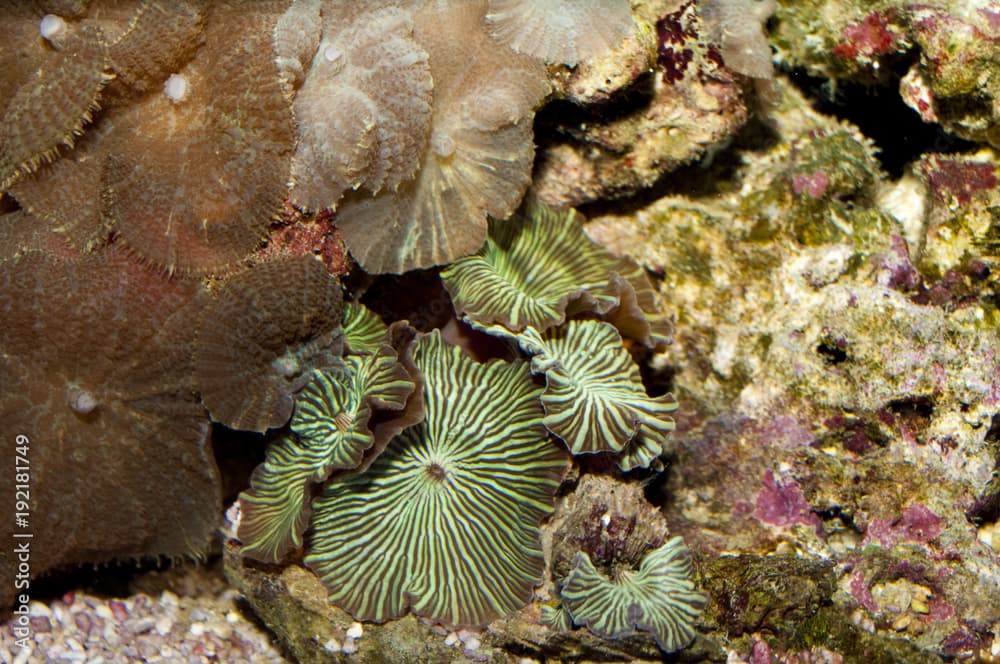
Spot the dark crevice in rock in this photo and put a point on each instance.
(561, 120)
(832, 353)
(703, 179)
(657, 381)
(986, 507)
(237, 453)
(880, 113)
(921, 407)
(838, 513)
(417, 296)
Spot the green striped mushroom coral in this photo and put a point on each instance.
(658, 598)
(332, 429)
(594, 398)
(364, 332)
(538, 268)
(445, 522)
(329, 431)
(532, 277)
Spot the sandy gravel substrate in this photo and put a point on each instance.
(181, 615)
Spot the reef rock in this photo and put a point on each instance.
(657, 104)
(838, 362)
(943, 56)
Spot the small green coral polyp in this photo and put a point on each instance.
(658, 598)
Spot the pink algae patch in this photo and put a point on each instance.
(782, 503)
(916, 524)
(870, 37)
(939, 609)
(862, 593)
(813, 184)
(919, 524)
(957, 179)
(992, 17)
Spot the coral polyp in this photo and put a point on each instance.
(479, 473)
(658, 598)
(96, 368)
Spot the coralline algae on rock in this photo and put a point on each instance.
(837, 371)
(955, 80)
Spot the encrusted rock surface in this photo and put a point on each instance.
(837, 353)
(674, 103)
(944, 56)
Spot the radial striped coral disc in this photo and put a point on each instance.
(529, 270)
(445, 520)
(332, 413)
(363, 330)
(659, 598)
(563, 31)
(594, 398)
(330, 431)
(538, 268)
(275, 510)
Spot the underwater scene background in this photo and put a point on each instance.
(500, 331)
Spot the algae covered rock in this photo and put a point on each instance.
(944, 57)
(601, 147)
(836, 354)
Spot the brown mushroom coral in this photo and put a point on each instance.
(476, 161)
(364, 109)
(148, 40)
(296, 36)
(269, 327)
(64, 195)
(564, 31)
(95, 363)
(195, 173)
(20, 233)
(51, 74)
